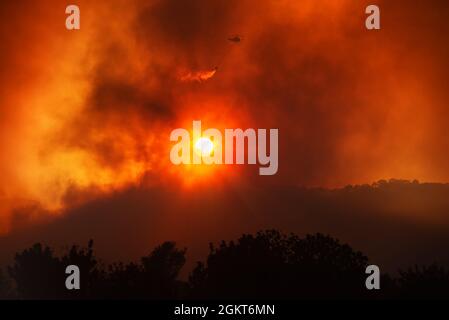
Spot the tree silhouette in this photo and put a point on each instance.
(322, 266)
(154, 278)
(85, 260)
(273, 265)
(5, 287)
(427, 282)
(38, 274)
(268, 264)
(122, 282)
(161, 269)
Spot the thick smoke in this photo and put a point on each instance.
(87, 114)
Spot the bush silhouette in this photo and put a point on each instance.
(427, 282)
(273, 265)
(154, 278)
(268, 264)
(85, 260)
(5, 289)
(38, 274)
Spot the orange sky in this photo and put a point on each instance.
(89, 112)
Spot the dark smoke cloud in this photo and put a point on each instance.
(344, 98)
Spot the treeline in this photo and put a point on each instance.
(266, 265)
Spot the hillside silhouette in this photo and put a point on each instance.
(381, 219)
(268, 264)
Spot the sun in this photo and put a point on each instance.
(204, 146)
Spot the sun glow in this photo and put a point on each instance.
(204, 146)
